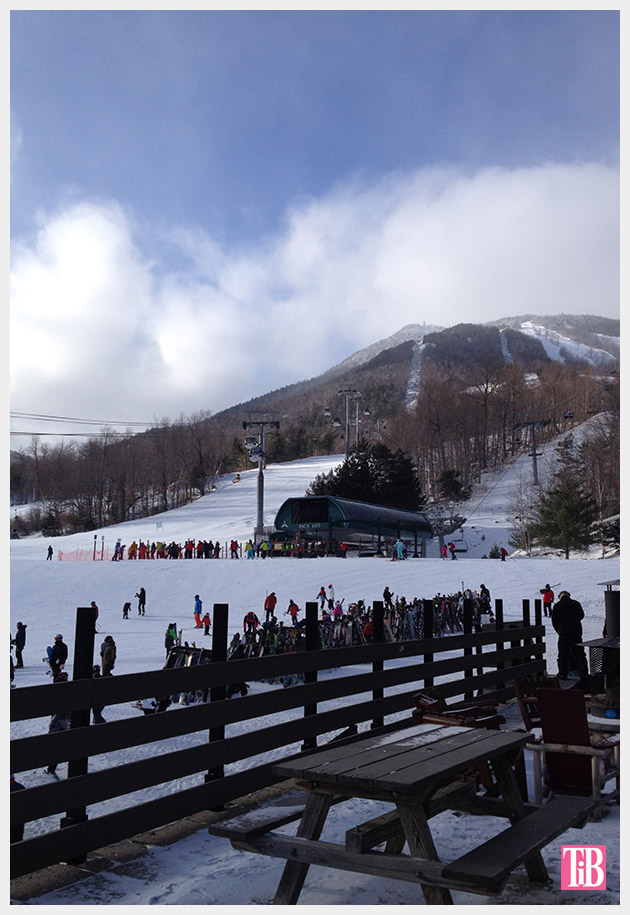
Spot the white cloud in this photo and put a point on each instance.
(102, 328)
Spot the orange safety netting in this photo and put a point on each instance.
(83, 555)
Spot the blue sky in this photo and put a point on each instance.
(247, 197)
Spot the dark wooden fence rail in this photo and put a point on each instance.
(486, 660)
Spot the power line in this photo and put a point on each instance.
(44, 417)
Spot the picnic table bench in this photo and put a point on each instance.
(419, 771)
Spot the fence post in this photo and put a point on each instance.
(217, 693)
(82, 665)
(378, 636)
(498, 617)
(538, 612)
(310, 676)
(468, 621)
(427, 633)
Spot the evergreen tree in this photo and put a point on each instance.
(565, 512)
(372, 473)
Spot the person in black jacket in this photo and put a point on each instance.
(566, 618)
(20, 642)
(58, 656)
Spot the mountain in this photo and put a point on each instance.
(386, 374)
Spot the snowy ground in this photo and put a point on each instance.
(203, 869)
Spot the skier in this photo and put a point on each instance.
(250, 622)
(205, 622)
(142, 599)
(57, 657)
(451, 547)
(331, 597)
(197, 611)
(548, 597)
(19, 642)
(293, 611)
(249, 548)
(126, 609)
(270, 605)
(504, 553)
(387, 598)
(321, 597)
(444, 551)
(400, 549)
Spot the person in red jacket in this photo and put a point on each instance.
(270, 605)
(547, 597)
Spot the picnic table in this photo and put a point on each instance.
(421, 771)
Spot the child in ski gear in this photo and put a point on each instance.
(205, 622)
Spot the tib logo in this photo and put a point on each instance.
(583, 867)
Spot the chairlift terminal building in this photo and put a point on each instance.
(330, 518)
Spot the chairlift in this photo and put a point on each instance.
(326, 411)
(251, 441)
(336, 423)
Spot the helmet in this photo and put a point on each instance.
(59, 636)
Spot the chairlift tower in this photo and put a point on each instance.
(255, 444)
(533, 424)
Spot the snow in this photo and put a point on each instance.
(202, 869)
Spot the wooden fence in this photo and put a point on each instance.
(380, 697)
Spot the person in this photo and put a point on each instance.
(444, 551)
(250, 622)
(504, 553)
(49, 553)
(331, 597)
(58, 657)
(566, 618)
(108, 655)
(198, 611)
(399, 547)
(60, 721)
(126, 609)
(547, 598)
(321, 597)
(95, 608)
(236, 652)
(97, 713)
(451, 547)
(217, 549)
(270, 605)
(387, 598)
(205, 622)
(293, 611)
(485, 607)
(338, 610)
(170, 637)
(233, 550)
(19, 642)
(343, 548)
(148, 706)
(263, 548)
(249, 549)
(142, 599)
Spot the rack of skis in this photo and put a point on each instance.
(403, 621)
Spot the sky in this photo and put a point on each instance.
(44, 595)
(208, 205)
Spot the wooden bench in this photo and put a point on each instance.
(261, 820)
(492, 863)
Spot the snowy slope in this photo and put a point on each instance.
(203, 869)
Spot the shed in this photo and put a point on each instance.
(335, 519)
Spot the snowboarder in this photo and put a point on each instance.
(19, 642)
(198, 611)
(142, 600)
(57, 657)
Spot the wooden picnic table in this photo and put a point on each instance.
(421, 770)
